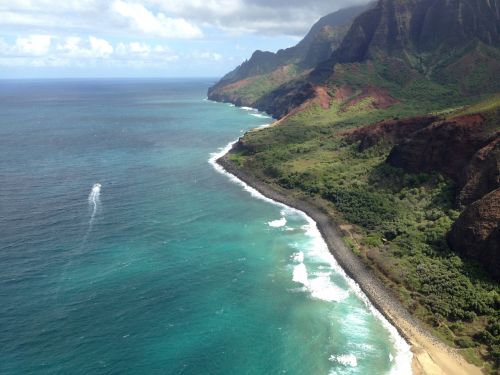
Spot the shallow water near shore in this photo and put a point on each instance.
(167, 266)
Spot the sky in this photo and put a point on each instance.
(147, 38)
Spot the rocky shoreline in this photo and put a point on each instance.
(429, 355)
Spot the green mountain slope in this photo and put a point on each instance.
(265, 71)
(450, 47)
(449, 42)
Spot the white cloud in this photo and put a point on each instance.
(117, 17)
(140, 48)
(207, 7)
(70, 44)
(49, 51)
(213, 56)
(100, 47)
(152, 54)
(268, 17)
(34, 45)
(74, 47)
(108, 33)
(173, 19)
(141, 19)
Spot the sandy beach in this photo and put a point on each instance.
(430, 356)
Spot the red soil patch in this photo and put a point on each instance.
(469, 121)
(343, 93)
(445, 146)
(381, 99)
(322, 96)
(387, 131)
(281, 74)
(239, 84)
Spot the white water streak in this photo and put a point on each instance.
(94, 204)
(94, 200)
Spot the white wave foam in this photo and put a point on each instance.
(298, 257)
(370, 348)
(323, 288)
(253, 192)
(249, 109)
(277, 223)
(320, 286)
(345, 359)
(259, 115)
(300, 274)
(403, 358)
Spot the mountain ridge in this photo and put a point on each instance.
(397, 37)
(317, 45)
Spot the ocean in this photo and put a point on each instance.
(125, 250)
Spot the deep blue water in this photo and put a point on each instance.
(170, 268)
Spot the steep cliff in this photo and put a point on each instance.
(266, 71)
(388, 131)
(445, 146)
(476, 233)
(454, 44)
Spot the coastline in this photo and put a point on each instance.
(430, 356)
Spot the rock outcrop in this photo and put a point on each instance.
(388, 131)
(445, 146)
(476, 233)
(482, 174)
(458, 148)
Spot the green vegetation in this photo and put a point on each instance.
(253, 88)
(400, 219)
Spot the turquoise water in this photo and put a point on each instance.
(167, 267)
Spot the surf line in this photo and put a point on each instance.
(403, 360)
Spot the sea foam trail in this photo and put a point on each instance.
(94, 205)
(94, 200)
(402, 361)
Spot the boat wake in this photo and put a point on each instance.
(94, 201)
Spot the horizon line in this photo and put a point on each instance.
(104, 78)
